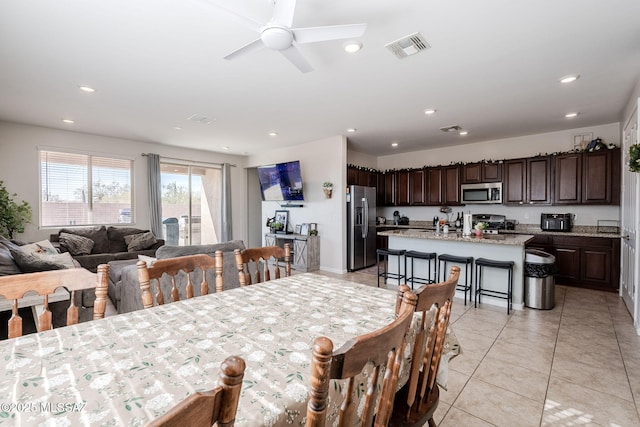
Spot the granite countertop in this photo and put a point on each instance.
(498, 239)
(577, 231)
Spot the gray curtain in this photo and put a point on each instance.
(155, 194)
(226, 232)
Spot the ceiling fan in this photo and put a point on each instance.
(277, 34)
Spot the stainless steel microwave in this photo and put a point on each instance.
(488, 192)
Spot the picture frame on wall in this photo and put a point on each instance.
(304, 229)
(580, 141)
(298, 228)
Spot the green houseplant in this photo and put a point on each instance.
(634, 158)
(13, 215)
(327, 187)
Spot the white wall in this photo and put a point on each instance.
(362, 159)
(320, 161)
(501, 149)
(19, 168)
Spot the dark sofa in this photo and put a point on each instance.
(108, 245)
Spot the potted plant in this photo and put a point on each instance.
(13, 216)
(634, 158)
(479, 227)
(327, 187)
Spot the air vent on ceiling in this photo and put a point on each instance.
(200, 118)
(454, 128)
(409, 45)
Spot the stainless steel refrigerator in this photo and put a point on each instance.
(361, 227)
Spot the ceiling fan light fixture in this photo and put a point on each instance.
(352, 46)
(277, 37)
(569, 78)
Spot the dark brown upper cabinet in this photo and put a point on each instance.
(587, 178)
(527, 181)
(451, 185)
(473, 173)
(402, 188)
(417, 187)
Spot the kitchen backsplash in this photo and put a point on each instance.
(587, 215)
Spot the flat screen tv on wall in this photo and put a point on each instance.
(282, 181)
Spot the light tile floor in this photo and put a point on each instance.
(575, 365)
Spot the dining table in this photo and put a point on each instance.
(128, 369)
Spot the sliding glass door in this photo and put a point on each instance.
(191, 204)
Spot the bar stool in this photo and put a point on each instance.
(428, 256)
(490, 263)
(467, 261)
(385, 254)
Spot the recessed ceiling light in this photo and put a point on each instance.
(273, 133)
(225, 148)
(87, 89)
(68, 121)
(570, 78)
(571, 115)
(352, 46)
(394, 144)
(430, 111)
(464, 132)
(177, 128)
(351, 130)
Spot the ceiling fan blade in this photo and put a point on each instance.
(250, 23)
(249, 47)
(296, 58)
(283, 12)
(331, 32)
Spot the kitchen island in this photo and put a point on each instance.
(502, 247)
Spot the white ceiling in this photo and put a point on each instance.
(493, 69)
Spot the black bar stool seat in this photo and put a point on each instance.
(492, 263)
(467, 261)
(427, 256)
(383, 255)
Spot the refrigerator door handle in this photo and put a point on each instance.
(365, 219)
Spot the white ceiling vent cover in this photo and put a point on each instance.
(408, 45)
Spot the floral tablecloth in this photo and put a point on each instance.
(130, 368)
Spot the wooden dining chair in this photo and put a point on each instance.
(382, 349)
(416, 402)
(253, 263)
(19, 288)
(204, 409)
(172, 267)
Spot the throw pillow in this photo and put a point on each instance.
(76, 244)
(138, 242)
(64, 259)
(43, 247)
(8, 266)
(31, 264)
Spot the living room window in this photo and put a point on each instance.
(84, 189)
(191, 203)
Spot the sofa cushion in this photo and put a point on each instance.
(43, 247)
(29, 263)
(138, 242)
(98, 235)
(117, 235)
(76, 244)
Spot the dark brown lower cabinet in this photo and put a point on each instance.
(586, 262)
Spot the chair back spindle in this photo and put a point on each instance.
(253, 263)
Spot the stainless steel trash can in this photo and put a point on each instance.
(539, 280)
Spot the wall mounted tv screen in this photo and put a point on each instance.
(282, 181)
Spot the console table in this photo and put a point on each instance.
(305, 250)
